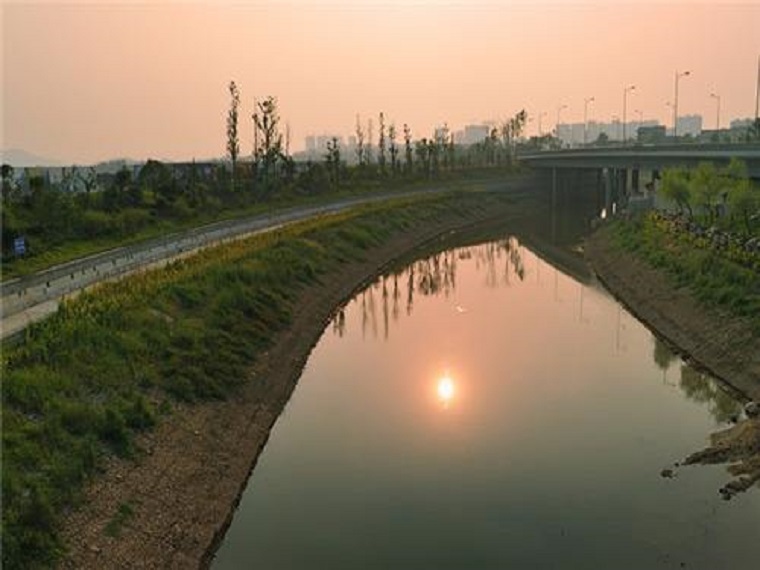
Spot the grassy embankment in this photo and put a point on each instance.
(146, 226)
(725, 278)
(110, 363)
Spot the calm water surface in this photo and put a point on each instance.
(482, 409)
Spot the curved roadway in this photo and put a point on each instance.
(31, 298)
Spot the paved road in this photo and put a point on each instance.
(28, 299)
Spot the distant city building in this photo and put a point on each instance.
(651, 134)
(315, 146)
(472, 134)
(690, 125)
(572, 134)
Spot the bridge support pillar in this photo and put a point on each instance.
(608, 181)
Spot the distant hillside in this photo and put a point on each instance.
(19, 158)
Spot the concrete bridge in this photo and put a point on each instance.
(624, 171)
(644, 157)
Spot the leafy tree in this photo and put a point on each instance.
(381, 144)
(706, 187)
(233, 141)
(424, 159)
(602, 140)
(392, 148)
(511, 130)
(314, 179)
(408, 153)
(7, 180)
(368, 149)
(360, 155)
(157, 177)
(736, 169)
(744, 201)
(675, 187)
(267, 121)
(441, 140)
(333, 162)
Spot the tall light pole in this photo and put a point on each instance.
(641, 119)
(585, 118)
(625, 99)
(717, 113)
(540, 130)
(675, 102)
(559, 111)
(757, 98)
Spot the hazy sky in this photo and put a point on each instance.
(96, 80)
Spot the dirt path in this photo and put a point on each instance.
(179, 496)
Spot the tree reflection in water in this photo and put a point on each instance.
(501, 260)
(701, 388)
(698, 387)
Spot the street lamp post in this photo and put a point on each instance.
(625, 98)
(675, 102)
(540, 130)
(717, 113)
(585, 119)
(641, 119)
(559, 110)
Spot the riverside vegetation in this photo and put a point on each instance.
(112, 362)
(87, 211)
(711, 245)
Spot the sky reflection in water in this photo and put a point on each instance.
(482, 409)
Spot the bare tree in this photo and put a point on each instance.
(233, 142)
(408, 152)
(267, 121)
(368, 150)
(393, 149)
(360, 154)
(381, 144)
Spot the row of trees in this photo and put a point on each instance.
(716, 196)
(86, 205)
(271, 167)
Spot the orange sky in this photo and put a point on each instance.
(99, 80)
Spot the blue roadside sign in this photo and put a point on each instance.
(19, 245)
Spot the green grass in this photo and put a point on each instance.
(109, 364)
(72, 249)
(724, 279)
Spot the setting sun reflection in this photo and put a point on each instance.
(445, 390)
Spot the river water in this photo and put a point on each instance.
(481, 408)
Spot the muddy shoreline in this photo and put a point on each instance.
(185, 486)
(183, 489)
(710, 339)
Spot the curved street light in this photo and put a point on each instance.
(675, 102)
(585, 118)
(717, 114)
(540, 130)
(625, 97)
(559, 110)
